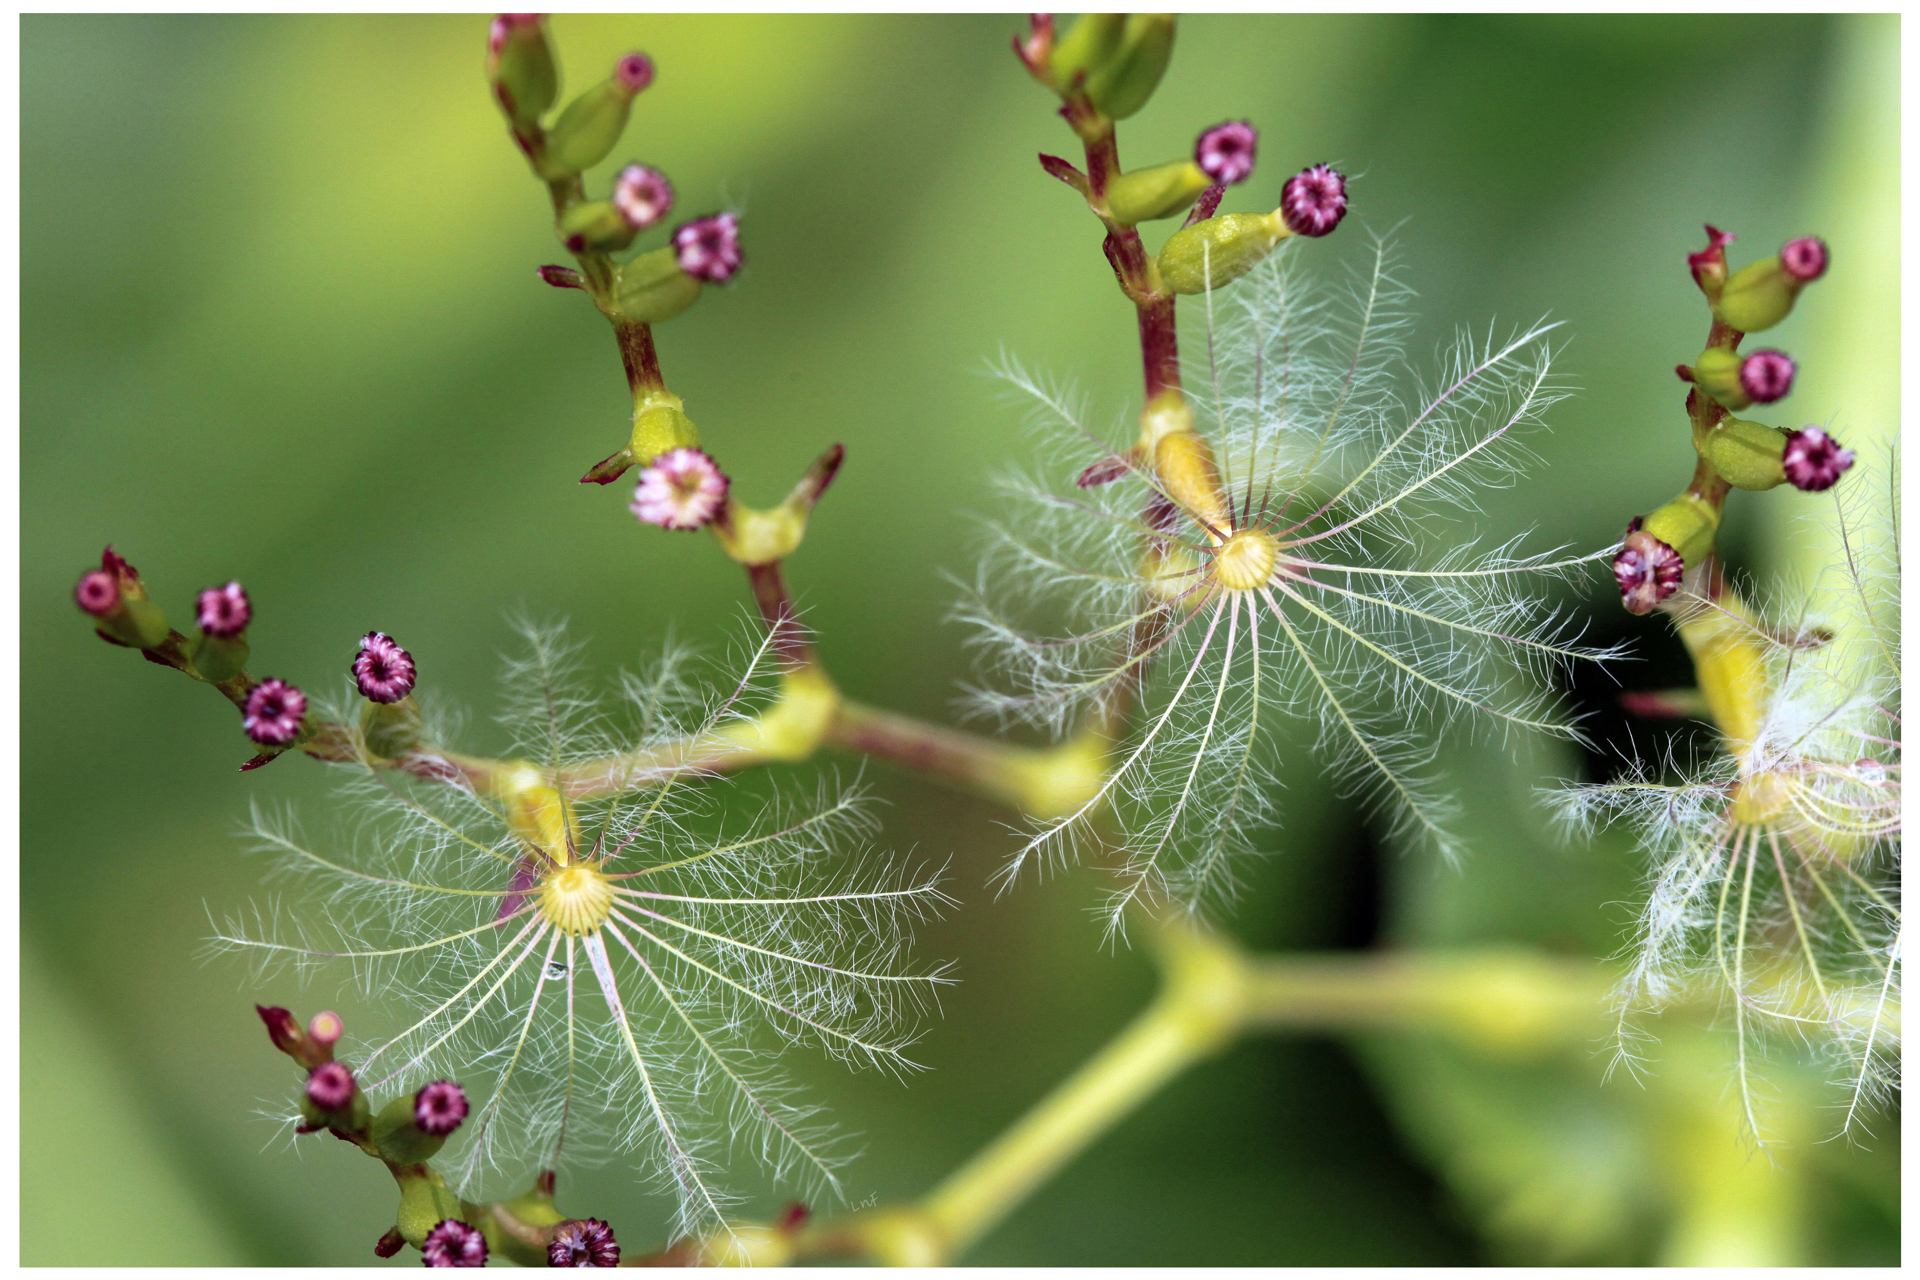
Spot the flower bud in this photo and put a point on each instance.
(382, 670)
(1746, 454)
(1759, 295)
(520, 67)
(1314, 200)
(709, 248)
(653, 288)
(587, 130)
(1767, 376)
(1813, 460)
(1647, 569)
(1225, 152)
(1159, 192)
(282, 1028)
(583, 1242)
(453, 1243)
(1090, 42)
(273, 713)
(115, 596)
(440, 1107)
(324, 1030)
(331, 1088)
(1123, 82)
(412, 1130)
(223, 611)
(389, 1244)
(681, 489)
(1709, 265)
(1218, 251)
(561, 277)
(97, 593)
(643, 195)
(595, 226)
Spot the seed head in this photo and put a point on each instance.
(440, 1107)
(382, 670)
(1767, 376)
(1225, 152)
(97, 593)
(224, 611)
(452, 1243)
(681, 489)
(1804, 259)
(273, 713)
(583, 1242)
(643, 195)
(330, 1086)
(1314, 200)
(1814, 460)
(709, 248)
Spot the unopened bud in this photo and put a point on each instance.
(1761, 294)
(1709, 265)
(1647, 569)
(595, 226)
(453, 1243)
(1814, 460)
(521, 68)
(1159, 192)
(1218, 251)
(273, 713)
(587, 130)
(1746, 454)
(653, 288)
(282, 1028)
(1225, 152)
(330, 1087)
(324, 1029)
(643, 195)
(1735, 381)
(1121, 85)
(583, 1242)
(1314, 200)
(1804, 259)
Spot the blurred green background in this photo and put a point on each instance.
(279, 323)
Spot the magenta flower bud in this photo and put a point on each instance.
(282, 1029)
(439, 1108)
(583, 1242)
(1225, 152)
(224, 611)
(1767, 376)
(98, 593)
(1804, 259)
(1647, 569)
(273, 712)
(1710, 263)
(1314, 200)
(325, 1028)
(709, 248)
(634, 72)
(562, 277)
(330, 1086)
(382, 670)
(681, 489)
(452, 1243)
(643, 195)
(1814, 460)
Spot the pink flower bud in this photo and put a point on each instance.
(1814, 460)
(98, 593)
(1710, 263)
(643, 195)
(1314, 200)
(273, 712)
(1804, 259)
(634, 72)
(1766, 376)
(452, 1243)
(583, 1242)
(681, 489)
(282, 1029)
(324, 1029)
(1647, 569)
(382, 670)
(709, 248)
(224, 611)
(1225, 152)
(330, 1086)
(439, 1108)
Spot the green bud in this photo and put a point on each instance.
(520, 65)
(1688, 524)
(533, 1209)
(660, 424)
(652, 287)
(1219, 250)
(1123, 85)
(1159, 192)
(1747, 454)
(425, 1202)
(586, 132)
(1717, 373)
(1757, 296)
(219, 658)
(594, 227)
(1087, 45)
(399, 1138)
(391, 729)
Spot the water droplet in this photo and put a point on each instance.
(556, 969)
(1870, 771)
